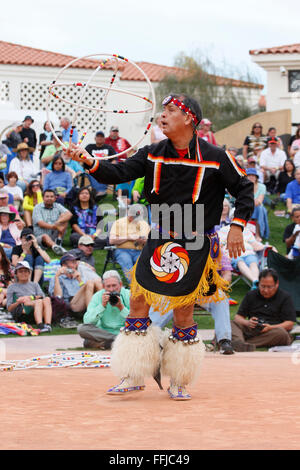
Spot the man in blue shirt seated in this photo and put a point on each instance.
(66, 129)
(106, 313)
(292, 192)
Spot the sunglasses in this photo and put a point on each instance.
(257, 127)
(89, 244)
(35, 186)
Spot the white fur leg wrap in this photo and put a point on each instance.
(136, 356)
(182, 362)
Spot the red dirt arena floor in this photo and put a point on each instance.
(245, 401)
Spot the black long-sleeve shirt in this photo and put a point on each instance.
(172, 179)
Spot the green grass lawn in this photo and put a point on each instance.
(204, 320)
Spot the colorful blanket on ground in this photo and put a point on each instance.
(21, 329)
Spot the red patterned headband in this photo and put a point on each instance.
(182, 106)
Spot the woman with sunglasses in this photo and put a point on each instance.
(33, 196)
(255, 142)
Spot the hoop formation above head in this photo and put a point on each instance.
(107, 62)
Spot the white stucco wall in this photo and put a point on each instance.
(278, 95)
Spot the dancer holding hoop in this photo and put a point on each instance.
(189, 172)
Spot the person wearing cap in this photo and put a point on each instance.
(23, 166)
(30, 251)
(100, 149)
(28, 134)
(129, 234)
(50, 222)
(67, 284)
(205, 132)
(65, 125)
(9, 231)
(273, 134)
(26, 300)
(271, 162)
(190, 173)
(7, 201)
(84, 251)
(259, 214)
(118, 143)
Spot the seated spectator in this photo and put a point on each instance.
(293, 138)
(13, 189)
(6, 276)
(59, 179)
(271, 163)
(23, 166)
(292, 192)
(272, 133)
(124, 194)
(45, 138)
(295, 152)
(106, 313)
(86, 217)
(51, 150)
(156, 133)
(129, 234)
(226, 215)
(30, 251)
(4, 202)
(285, 177)
(118, 143)
(13, 136)
(50, 221)
(255, 142)
(9, 231)
(100, 149)
(247, 263)
(292, 232)
(84, 251)
(252, 163)
(265, 316)
(65, 124)
(26, 300)
(69, 286)
(33, 196)
(205, 131)
(259, 214)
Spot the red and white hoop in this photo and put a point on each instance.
(113, 60)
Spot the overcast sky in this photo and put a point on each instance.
(155, 30)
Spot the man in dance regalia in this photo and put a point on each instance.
(172, 272)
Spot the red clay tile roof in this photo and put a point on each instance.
(289, 49)
(16, 54)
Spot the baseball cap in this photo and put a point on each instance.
(251, 160)
(23, 264)
(252, 171)
(100, 133)
(86, 240)
(273, 140)
(114, 128)
(67, 257)
(28, 117)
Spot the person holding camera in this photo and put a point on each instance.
(265, 317)
(68, 285)
(291, 234)
(106, 313)
(30, 251)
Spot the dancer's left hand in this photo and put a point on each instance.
(235, 241)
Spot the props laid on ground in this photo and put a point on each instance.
(57, 361)
(102, 62)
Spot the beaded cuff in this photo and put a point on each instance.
(186, 335)
(136, 325)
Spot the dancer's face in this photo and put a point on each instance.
(173, 120)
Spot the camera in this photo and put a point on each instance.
(28, 238)
(114, 298)
(259, 325)
(70, 270)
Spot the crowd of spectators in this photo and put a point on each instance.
(39, 205)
